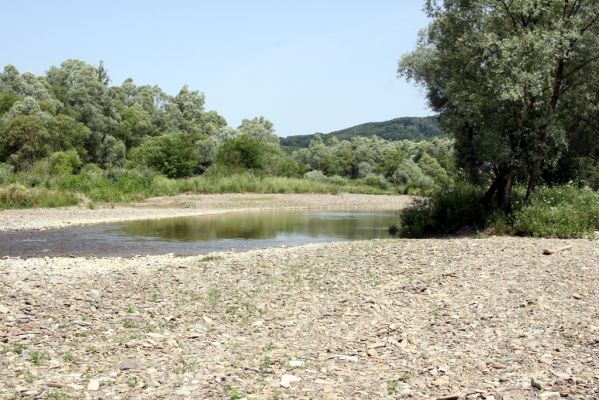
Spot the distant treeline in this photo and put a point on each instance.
(405, 128)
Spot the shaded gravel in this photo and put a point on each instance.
(456, 318)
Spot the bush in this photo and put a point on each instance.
(64, 162)
(243, 152)
(7, 174)
(173, 154)
(315, 176)
(561, 211)
(445, 212)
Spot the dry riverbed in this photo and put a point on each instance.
(456, 318)
(191, 205)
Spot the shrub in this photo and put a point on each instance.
(7, 174)
(243, 152)
(315, 176)
(173, 154)
(64, 162)
(445, 212)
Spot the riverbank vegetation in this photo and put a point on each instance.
(70, 134)
(521, 101)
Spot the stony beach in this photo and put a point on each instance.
(456, 318)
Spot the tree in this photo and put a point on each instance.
(501, 74)
(23, 140)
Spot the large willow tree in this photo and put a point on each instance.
(510, 78)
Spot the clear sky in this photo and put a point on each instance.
(306, 65)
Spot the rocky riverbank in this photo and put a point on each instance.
(455, 318)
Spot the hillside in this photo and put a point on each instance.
(414, 128)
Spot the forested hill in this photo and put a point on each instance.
(412, 128)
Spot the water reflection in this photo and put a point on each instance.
(199, 235)
(266, 225)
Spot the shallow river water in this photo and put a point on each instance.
(201, 234)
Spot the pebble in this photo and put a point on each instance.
(287, 380)
(93, 385)
(550, 396)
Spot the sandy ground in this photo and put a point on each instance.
(190, 205)
(422, 319)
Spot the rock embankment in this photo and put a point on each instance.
(434, 319)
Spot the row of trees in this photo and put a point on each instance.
(517, 84)
(413, 167)
(73, 116)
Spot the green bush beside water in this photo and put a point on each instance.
(566, 211)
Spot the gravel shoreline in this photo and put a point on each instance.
(190, 205)
(425, 319)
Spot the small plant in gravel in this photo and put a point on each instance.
(232, 393)
(38, 357)
(392, 387)
(213, 296)
(210, 258)
(184, 366)
(129, 324)
(56, 395)
(18, 348)
(91, 350)
(68, 357)
(28, 377)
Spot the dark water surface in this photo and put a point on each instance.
(200, 235)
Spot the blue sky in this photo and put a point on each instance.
(306, 65)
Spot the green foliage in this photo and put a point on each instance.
(17, 196)
(23, 140)
(172, 154)
(243, 152)
(7, 99)
(410, 128)
(446, 211)
(530, 65)
(413, 167)
(64, 162)
(564, 211)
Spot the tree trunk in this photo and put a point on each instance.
(532, 182)
(500, 192)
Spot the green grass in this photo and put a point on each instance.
(28, 189)
(565, 211)
(17, 196)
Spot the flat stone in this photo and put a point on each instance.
(128, 364)
(287, 380)
(550, 396)
(93, 385)
(296, 363)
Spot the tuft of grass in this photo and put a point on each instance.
(56, 395)
(39, 357)
(210, 258)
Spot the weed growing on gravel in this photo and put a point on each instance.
(392, 387)
(213, 296)
(232, 393)
(68, 357)
(129, 324)
(38, 357)
(18, 349)
(210, 258)
(28, 376)
(56, 395)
